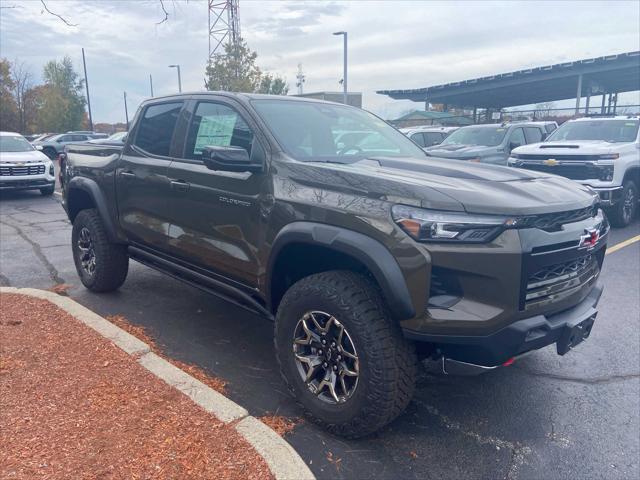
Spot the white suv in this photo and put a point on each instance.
(24, 167)
(428, 136)
(601, 152)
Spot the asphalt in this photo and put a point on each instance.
(545, 417)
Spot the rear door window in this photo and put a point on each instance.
(156, 128)
(533, 134)
(433, 138)
(517, 138)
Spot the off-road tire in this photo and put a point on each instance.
(619, 215)
(111, 259)
(387, 360)
(47, 191)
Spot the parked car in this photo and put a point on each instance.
(117, 139)
(362, 259)
(428, 136)
(490, 143)
(54, 146)
(23, 167)
(603, 153)
(41, 136)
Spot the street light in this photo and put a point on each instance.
(344, 75)
(179, 79)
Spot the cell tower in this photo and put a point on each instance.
(224, 25)
(300, 78)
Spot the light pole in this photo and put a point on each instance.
(344, 75)
(179, 79)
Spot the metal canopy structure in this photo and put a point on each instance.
(594, 76)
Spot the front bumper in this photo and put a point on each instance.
(25, 184)
(523, 336)
(27, 176)
(609, 196)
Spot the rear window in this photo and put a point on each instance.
(156, 128)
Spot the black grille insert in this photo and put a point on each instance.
(554, 221)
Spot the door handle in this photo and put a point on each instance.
(180, 185)
(127, 174)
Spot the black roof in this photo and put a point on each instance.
(611, 73)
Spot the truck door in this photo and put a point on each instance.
(142, 185)
(218, 217)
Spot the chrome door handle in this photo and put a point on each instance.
(127, 174)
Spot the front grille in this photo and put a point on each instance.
(554, 221)
(574, 172)
(13, 171)
(560, 158)
(554, 282)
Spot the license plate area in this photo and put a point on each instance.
(575, 335)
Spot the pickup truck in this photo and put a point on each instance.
(601, 152)
(365, 261)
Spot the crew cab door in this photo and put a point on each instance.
(217, 218)
(142, 185)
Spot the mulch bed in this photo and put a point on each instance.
(72, 405)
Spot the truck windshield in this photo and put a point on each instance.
(14, 144)
(310, 131)
(486, 136)
(612, 131)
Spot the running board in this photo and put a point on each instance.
(200, 281)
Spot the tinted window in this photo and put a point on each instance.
(517, 138)
(78, 138)
(419, 139)
(215, 124)
(533, 134)
(433, 138)
(156, 128)
(64, 138)
(550, 127)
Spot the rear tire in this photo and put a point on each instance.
(622, 214)
(386, 365)
(101, 265)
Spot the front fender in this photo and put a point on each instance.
(371, 253)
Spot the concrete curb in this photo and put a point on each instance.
(283, 461)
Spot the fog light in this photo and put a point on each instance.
(52, 170)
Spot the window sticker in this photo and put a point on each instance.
(215, 130)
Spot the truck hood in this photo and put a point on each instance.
(23, 157)
(460, 151)
(442, 184)
(569, 147)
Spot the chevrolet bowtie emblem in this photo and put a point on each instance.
(552, 162)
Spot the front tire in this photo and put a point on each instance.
(621, 214)
(342, 356)
(101, 265)
(47, 191)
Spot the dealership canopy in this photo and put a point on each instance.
(593, 76)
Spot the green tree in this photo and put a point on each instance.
(8, 108)
(236, 71)
(61, 100)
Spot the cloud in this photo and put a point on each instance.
(391, 44)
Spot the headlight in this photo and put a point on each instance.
(439, 226)
(606, 173)
(609, 156)
(514, 155)
(52, 170)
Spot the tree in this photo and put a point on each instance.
(8, 109)
(61, 100)
(236, 71)
(273, 85)
(21, 76)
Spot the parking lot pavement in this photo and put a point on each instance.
(547, 416)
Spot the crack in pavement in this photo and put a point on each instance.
(584, 381)
(519, 452)
(53, 272)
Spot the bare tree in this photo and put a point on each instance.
(22, 83)
(544, 109)
(69, 24)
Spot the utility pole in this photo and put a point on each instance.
(344, 67)
(151, 84)
(86, 84)
(300, 78)
(179, 78)
(126, 112)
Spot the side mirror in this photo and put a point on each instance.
(229, 159)
(125, 138)
(39, 147)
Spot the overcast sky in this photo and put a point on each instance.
(391, 44)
